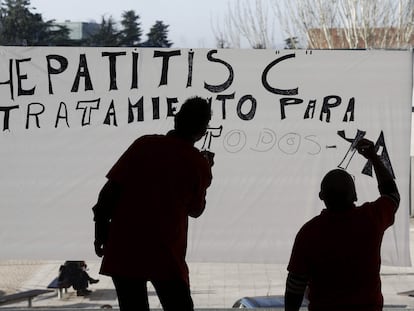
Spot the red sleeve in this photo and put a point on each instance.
(383, 210)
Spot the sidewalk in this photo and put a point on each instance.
(214, 285)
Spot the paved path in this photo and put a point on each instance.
(214, 285)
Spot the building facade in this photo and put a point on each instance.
(80, 30)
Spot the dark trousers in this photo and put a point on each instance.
(174, 295)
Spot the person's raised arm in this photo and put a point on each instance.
(386, 183)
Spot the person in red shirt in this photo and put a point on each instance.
(141, 217)
(336, 255)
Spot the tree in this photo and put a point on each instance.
(19, 26)
(225, 35)
(158, 36)
(245, 22)
(107, 34)
(348, 24)
(131, 33)
(16, 23)
(292, 43)
(323, 24)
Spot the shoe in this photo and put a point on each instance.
(93, 281)
(83, 292)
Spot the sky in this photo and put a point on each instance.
(190, 21)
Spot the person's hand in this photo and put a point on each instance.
(99, 248)
(209, 156)
(366, 148)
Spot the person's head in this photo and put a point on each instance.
(192, 120)
(338, 190)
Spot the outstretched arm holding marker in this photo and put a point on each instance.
(386, 184)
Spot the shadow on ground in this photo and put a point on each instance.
(102, 294)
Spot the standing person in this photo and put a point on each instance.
(141, 217)
(337, 254)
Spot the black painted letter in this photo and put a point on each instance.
(327, 106)
(139, 106)
(112, 67)
(288, 101)
(63, 64)
(165, 62)
(6, 117)
(268, 86)
(226, 84)
(84, 73)
(34, 114)
(250, 115)
(20, 77)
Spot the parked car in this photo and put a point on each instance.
(271, 301)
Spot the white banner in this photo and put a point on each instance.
(281, 120)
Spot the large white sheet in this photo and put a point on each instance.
(281, 120)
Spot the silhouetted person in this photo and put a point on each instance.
(141, 217)
(337, 254)
(75, 273)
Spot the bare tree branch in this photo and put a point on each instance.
(348, 23)
(247, 22)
